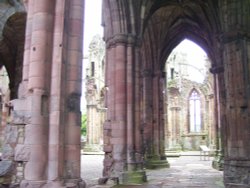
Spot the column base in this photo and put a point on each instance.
(77, 183)
(218, 162)
(156, 163)
(32, 184)
(236, 173)
(234, 185)
(133, 177)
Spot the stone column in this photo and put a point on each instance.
(218, 111)
(175, 125)
(71, 93)
(162, 85)
(147, 112)
(156, 157)
(120, 128)
(51, 90)
(109, 81)
(235, 120)
(37, 73)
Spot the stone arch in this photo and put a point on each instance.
(182, 20)
(11, 49)
(167, 24)
(138, 57)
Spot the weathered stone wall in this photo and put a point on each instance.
(183, 77)
(14, 155)
(95, 94)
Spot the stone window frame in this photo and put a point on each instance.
(189, 113)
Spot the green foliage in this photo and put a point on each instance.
(172, 83)
(84, 125)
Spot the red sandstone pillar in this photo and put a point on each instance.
(217, 163)
(55, 148)
(120, 127)
(147, 112)
(162, 85)
(130, 108)
(109, 81)
(156, 114)
(153, 112)
(73, 80)
(27, 44)
(52, 68)
(139, 151)
(39, 58)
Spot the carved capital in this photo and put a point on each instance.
(146, 73)
(217, 69)
(234, 35)
(122, 39)
(159, 74)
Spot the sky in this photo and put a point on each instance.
(92, 25)
(196, 57)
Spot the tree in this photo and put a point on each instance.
(84, 125)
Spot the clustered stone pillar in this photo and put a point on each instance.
(153, 110)
(48, 104)
(235, 119)
(122, 136)
(219, 110)
(147, 111)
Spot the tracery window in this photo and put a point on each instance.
(194, 112)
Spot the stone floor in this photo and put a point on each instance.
(185, 172)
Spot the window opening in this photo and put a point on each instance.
(195, 112)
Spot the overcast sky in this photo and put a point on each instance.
(92, 25)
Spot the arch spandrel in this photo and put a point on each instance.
(7, 9)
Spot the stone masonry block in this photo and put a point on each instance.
(22, 152)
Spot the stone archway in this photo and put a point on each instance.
(139, 36)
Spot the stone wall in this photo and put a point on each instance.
(14, 154)
(95, 94)
(178, 135)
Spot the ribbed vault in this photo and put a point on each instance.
(169, 22)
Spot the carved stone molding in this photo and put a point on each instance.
(125, 39)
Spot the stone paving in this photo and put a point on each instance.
(184, 172)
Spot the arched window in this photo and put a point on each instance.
(194, 112)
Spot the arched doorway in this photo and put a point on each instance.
(189, 104)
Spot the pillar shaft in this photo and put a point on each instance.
(147, 112)
(121, 128)
(73, 80)
(52, 69)
(55, 151)
(38, 60)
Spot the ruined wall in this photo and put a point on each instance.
(183, 77)
(95, 94)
